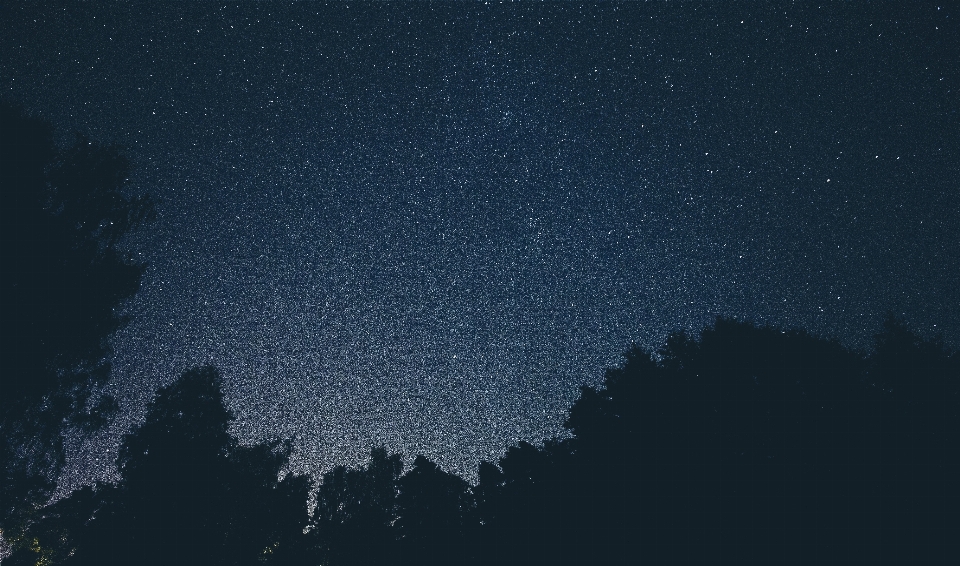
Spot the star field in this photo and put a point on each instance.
(425, 225)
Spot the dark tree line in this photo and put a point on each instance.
(63, 213)
(742, 445)
(188, 494)
(745, 445)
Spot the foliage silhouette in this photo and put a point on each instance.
(355, 512)
(188, 493)
(523, 505)
(744, 444)
(752, 444)
(437, 520)
(63, 214)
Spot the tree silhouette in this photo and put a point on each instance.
(745, 444)
(175, 469)
(356, 509)
(754, 444)
(524, 506)
(920, 460)
(188, 493)
(63, 214)
(58, 529)
(437, 520)
(266, 515)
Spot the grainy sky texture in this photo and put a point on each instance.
(425, 225)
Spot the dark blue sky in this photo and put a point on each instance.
(424, 225)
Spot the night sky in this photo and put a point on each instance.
(425, 225)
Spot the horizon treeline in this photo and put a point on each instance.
(747, 444)
(743, 444)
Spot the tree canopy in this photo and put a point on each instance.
(63, 214)
(743, 444)
(188, 493)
